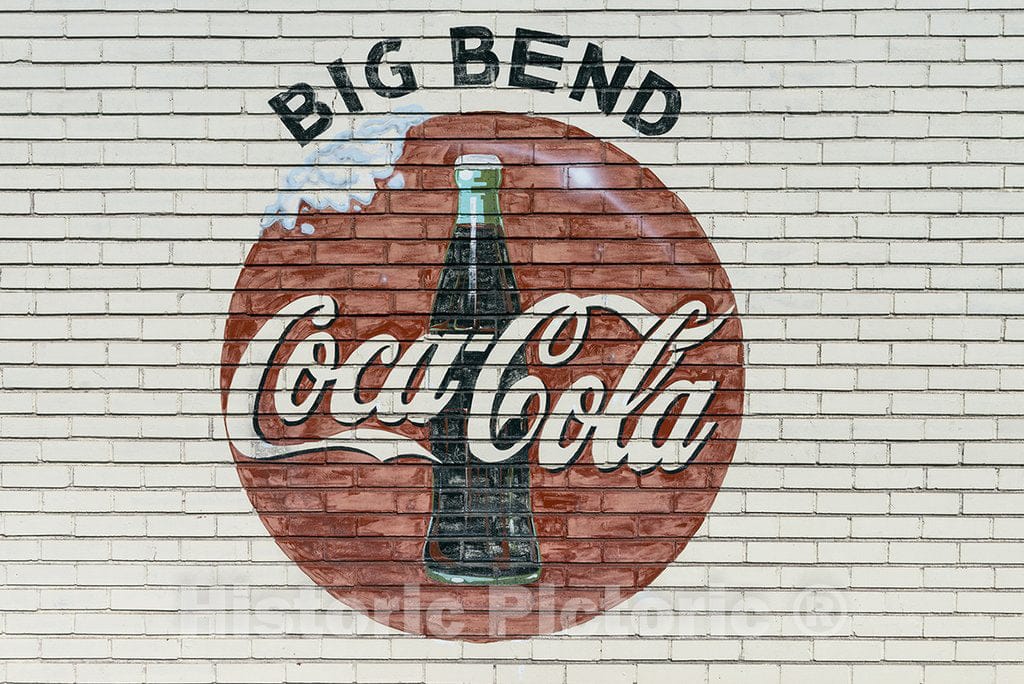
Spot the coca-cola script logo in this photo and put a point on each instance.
(482, 374)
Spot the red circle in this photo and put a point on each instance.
(581, 216)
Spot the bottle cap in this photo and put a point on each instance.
(477, 171)
(486, 161)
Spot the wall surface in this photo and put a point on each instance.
(856, 167)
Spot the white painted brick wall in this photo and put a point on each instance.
(858, 167)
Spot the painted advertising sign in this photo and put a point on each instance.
(482, 374)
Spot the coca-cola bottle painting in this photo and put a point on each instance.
(481, 528)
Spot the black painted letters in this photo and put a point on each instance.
(476, 64)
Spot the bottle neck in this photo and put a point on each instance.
(478, 206)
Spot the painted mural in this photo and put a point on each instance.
(482, 374)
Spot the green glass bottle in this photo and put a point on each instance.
(481, 530)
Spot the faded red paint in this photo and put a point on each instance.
(356, 526)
